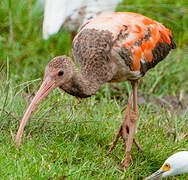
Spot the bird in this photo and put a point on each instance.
(113, 47)
(174, 165)
(72, 13)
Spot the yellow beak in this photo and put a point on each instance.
(157, 175)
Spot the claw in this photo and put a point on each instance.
(122, 134)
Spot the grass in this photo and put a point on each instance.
(66, 139)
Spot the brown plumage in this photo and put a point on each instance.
(110, 48)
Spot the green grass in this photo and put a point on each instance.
(65, 139)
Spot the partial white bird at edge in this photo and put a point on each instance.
(72, 13)
(175, 165)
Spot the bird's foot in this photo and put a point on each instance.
(126, 161)
(122, 132)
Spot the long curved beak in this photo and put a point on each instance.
(47, 86)
(157, 175)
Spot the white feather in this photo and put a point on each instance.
(54, 16)
(72, 13)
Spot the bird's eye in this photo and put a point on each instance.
(60, 73)
(166, 167)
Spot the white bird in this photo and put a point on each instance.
(174, 165)
(72, 13)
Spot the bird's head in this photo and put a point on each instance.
(174, 165)
(58, 72)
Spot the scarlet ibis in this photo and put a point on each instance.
(113, 47)
(174, 165)
(72, 13)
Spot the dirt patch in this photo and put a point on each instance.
(172, 103)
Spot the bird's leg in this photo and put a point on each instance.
(124, 129)
(131, 126)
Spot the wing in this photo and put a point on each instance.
(146, 41)
(140, 41)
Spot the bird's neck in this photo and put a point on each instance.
(80, 86)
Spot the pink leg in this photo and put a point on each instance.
(128, 126)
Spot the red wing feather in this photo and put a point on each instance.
(142, 37)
